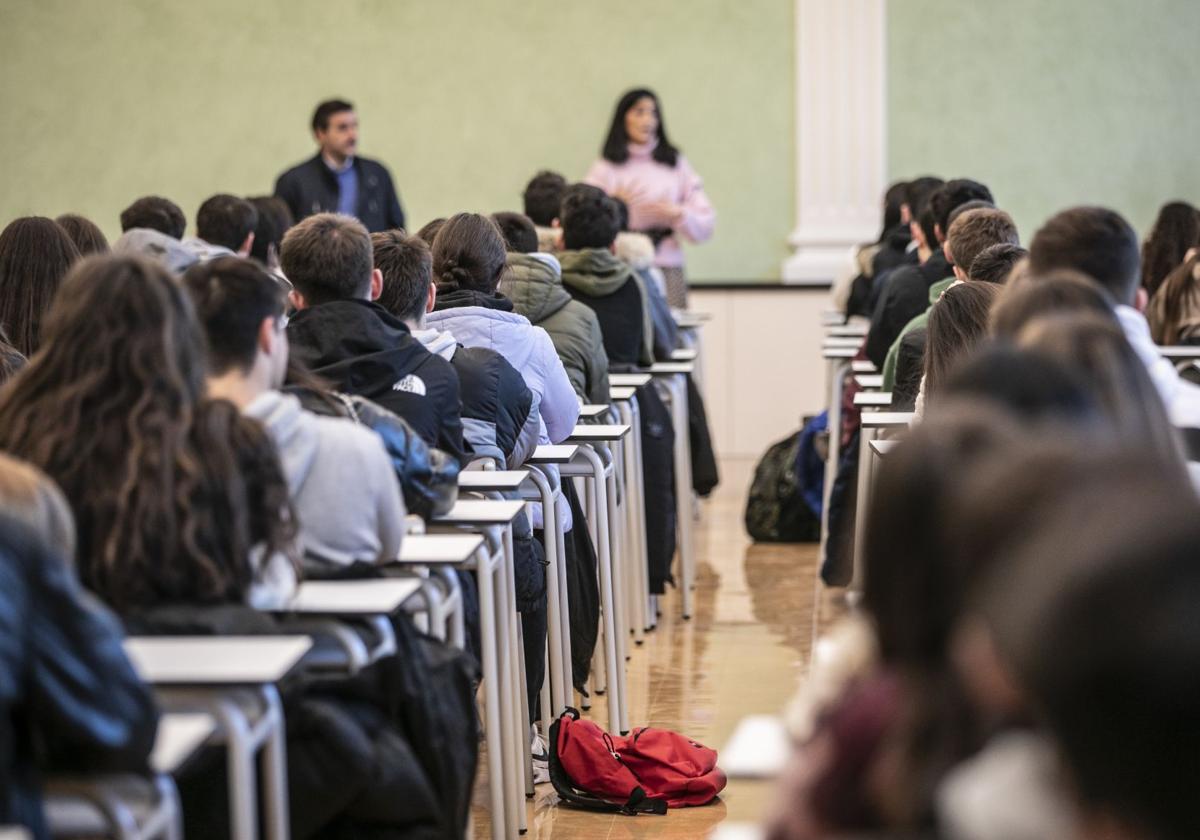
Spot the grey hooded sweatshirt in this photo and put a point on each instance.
(341, 481)
(533, 283)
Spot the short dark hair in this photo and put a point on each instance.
(543, 197)
(232, 296)
(155, 213)
(328, 257)
(518, 231)
(589, 218)
(430, 230)
(974, 231)
(1033, 297)
(995, 263)
(320, 117)
(1095, 241)
(951, 194)
(918, 190)
(274, 219)
(468, 253)
(407, 267)
(924, 219)
(226, 220)
(88, 238)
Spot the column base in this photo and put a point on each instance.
(817, 265)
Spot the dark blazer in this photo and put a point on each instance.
(311, 187)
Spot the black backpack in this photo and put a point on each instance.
(775, 510)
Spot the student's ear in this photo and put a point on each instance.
(938, 233)
(376, 284)
(431, 298)
(960, 274)
(918, 235)
(555, 223)
(244, 251)
(297, 300)
(1141, 300)
(946, 252)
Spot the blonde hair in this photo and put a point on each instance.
(29, 496)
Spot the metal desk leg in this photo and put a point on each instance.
(486, 573)
(274, 764)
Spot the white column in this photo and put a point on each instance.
(841, 131)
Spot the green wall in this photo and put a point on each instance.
(108, 100)
(1052, 103)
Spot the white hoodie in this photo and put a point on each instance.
(1181, 397)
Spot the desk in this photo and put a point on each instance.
(685, 354)
(858, 330)
(629, 380)
(862, 366)
(839, 352)
(481, 512)
(621, 393)
(553, 453)
(215, 660)
(179, 736)
(1180, 352)
(668, 368)
(883, 447)
(842, 341)
(491, 481)
(872, 423)
(591, 434)
(873, 399)
(870, 381)
(592, 412)
(372, 596)
(439, 549)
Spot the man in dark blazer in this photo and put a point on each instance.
(336, 180)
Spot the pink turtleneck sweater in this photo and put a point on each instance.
(649, 181)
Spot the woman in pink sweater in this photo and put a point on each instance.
(664, 194)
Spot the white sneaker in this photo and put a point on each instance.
(541, 759)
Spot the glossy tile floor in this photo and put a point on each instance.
(741, 654)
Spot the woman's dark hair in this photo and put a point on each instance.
(895, 197)
(172, 494)
(468, 253)
(1175, 232)
(616, 145)
(1033, 296)
(88, 238)
(1166, 307)
(35, 255)
(430, 230)
(274, 220)
(11, 359)
(957, 323)
(520, 236)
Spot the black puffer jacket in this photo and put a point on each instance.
(500, 413)
(311, 187)
(428, 476)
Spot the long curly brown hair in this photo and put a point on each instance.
(171, 492)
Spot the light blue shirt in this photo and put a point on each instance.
(347, 180)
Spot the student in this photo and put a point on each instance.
(224, 227)
(88, 238)
(957, 325)
(343, 335)
(1100, 244)
(274, 220)
(594, 276)
(1174, 311)
(176, 497)
(894, 236)
(996, 263)
(542, 198)
(347, 501)
(153, 212)
(35, 255)
(533, 282)
(1031, 386)
(500, 414)
(337, 179)
(637, 251)
(666, 197)
(1061, 291)
(1176, 232)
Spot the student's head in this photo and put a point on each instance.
(274, 220)
(588, 217)
(995, 263)
(407, 267)
(894, 200)
(1176, 231)
(241, 310)
(973, 232)
(1169, 301)
(1057, 292)
(155, 213)
(28, 495)
(917, 193)
(430, 230)
(11, 359)
(88, 238)
(1031, 386)
(950, 195)
(335, 127)
(957, 324)
(35, 255)
(1095, 241)
(638, 119)
(327, 257)
(469, 254)
(622, 212)
(543, 196)
(518, 231)
(228, 221)
(923, 228)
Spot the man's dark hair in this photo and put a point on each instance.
(918, 190)
(518, 231)
(274, 219)
(953, 193)
(226, 220)
(622, 212)
(320, 118)
(328, 257)
(1095, 241)
(924, 218)
(543, 197)
(155, 213)
(232, 296)
(994, 263)
(407, 267)
(973, 232)
(977, 204)
(589, 218)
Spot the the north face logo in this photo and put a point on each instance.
(411, 384)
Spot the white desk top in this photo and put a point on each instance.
(374, 596)
(887, 418)
(758, 748)
(872, 381)
(847, 330)
(215, 660)
(832, 317)
(738, 831)
(179, 736)
(1185, 351)
(862, 366)
(621, 393)
(491, 480)
(616, 431)
(873, 398)
(691, 319)
(684, 354)
(839, 352)
(629, 380)
(591, 412)
(883, 447)
(554, 453)
(842, 341)
(437, 549)
(481, 512)
(669, 368)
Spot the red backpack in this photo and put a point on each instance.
(644, 772)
